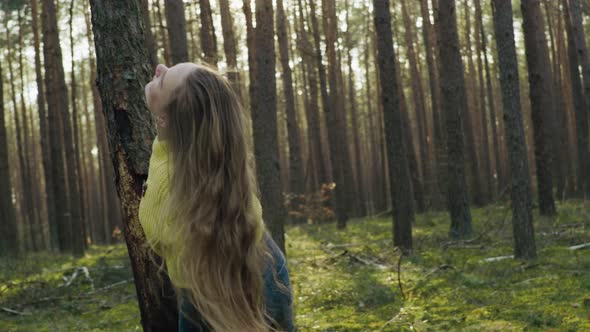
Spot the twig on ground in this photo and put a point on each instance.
(580, 246)
(122, 282)
(495, 259)
(14, 312)
(348, 245)
(439, 268)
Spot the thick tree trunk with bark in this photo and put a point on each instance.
(522, 219)
(123, 70)
(454, 105)
(176, 24)
(541, 100)
(264, 120)
(401, 185)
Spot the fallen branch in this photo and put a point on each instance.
(14, 312)
(122, 282)
(440, 268)
(495, 259)
(348, 245)
(580, 246)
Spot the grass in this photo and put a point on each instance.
(446, 285)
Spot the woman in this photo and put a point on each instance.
(200, 210)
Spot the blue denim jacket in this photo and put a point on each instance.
(279, 305)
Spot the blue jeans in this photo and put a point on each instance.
(279, 305)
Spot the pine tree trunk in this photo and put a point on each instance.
(55, 103)
(208, 38)
(8, 228)
(176, 24)
(356, 122)
(78, 197)
(149, 36)
(264, 120)
(318, 167)
(45, 147)
(479, 189)
(541, 101)
(28, 153)
(163, 33)
(522, 219)
(229, 45)
(584, 60)
(401, 188)
(419, 108)
(119, 38)
(335, 119)
(454, 105)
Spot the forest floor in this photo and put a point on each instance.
(348, 280)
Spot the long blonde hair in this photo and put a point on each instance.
(213, 201)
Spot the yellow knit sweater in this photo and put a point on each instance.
(156, 227)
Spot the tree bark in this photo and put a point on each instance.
(208, 38)
(123, 70)
(296, 177)
(264, 120)
(45, 147)
(149, 36)
(522, 218)
(229, 45)
(541, 100)
(401, 185)
(577, 32)
(176, 24)
(163, 33)
(79, 197)
(8, 228)
(454, 105)
(336, 119)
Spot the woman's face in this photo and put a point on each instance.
(159, 90)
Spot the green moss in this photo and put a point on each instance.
(336, 292)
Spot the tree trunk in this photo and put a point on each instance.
(229, 45)
(541, 100)
(356, 122)
(45, 146)
(454, 105)
(8, 229)
(579, 39)
(119, 39)
(401, 185)
(296, 177)
(59, 96)
(63, 226)
(78, 197)
(264, 120)
(208, 38)
(419, 108)
(163, 33)
(478, 188)
(149, 36)
(335, 118)
(28, 150)
(175, 22)
(522, 218)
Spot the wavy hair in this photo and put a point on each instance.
(213, 204)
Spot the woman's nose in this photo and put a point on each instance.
(160, 69)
